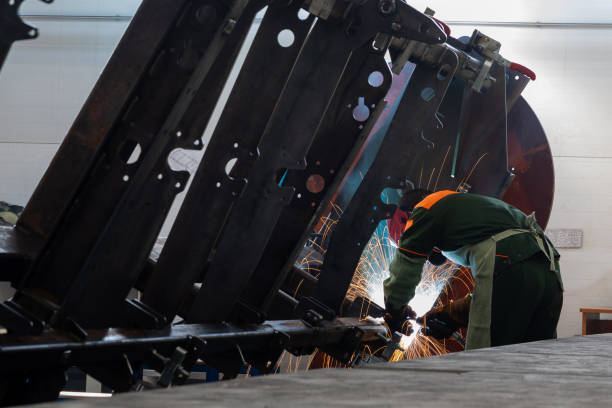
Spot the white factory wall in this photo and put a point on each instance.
(543, 11)
(571, 99)
(81, 8)
(44, 83)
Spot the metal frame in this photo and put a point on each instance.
(297, 119)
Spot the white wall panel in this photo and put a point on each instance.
(568, 11)
(582, 200)
(45, 81)
(591, 11)
(21, 167)
(81, 7)
(572, 92)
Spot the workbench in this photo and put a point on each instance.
(574, 372)
(592, 323)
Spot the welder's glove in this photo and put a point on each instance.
(397, 319)
(437, 328)
(442, 321)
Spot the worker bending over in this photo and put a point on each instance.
(518, 291)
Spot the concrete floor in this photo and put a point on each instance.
(571, 372)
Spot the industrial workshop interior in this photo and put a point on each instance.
(283, 203)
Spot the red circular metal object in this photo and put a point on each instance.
(529, 154)
(315, 183)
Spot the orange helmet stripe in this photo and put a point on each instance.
(431, 199)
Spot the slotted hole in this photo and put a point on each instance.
(361, 112)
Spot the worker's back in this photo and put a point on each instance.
(449, 220)
(465, 219)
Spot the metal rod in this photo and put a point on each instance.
(298, 332)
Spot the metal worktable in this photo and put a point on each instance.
(571, 372)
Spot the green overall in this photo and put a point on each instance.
(523, 303)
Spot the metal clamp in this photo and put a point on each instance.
(172, 366)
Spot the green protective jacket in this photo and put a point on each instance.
(448, 221)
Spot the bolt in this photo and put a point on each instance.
(229, 26)
(387, 7)
(396, 27)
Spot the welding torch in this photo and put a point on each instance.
(439, 329)
(433, 327)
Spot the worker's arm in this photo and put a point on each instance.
(405, 274)
(405, 270)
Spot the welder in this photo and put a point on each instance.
(518, 291)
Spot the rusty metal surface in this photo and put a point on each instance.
(529, 155)
(286, 142)
(101, 111)
(114, 264)
(207, 205)
(338, 134)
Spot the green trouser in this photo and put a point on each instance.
(526, 303)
